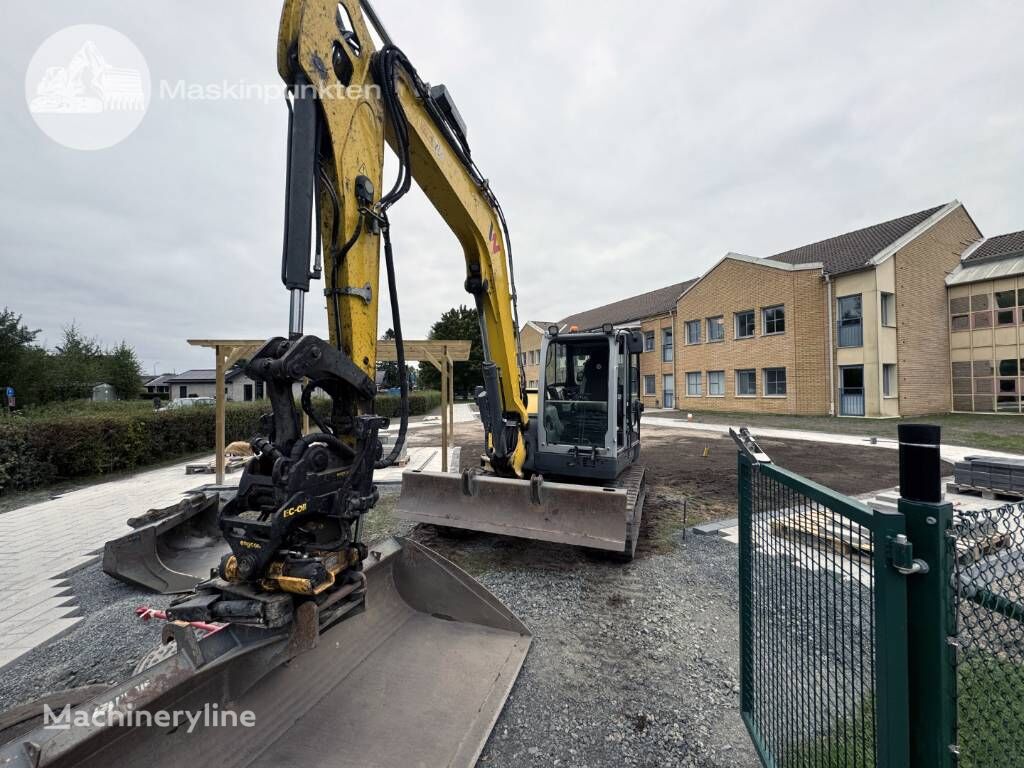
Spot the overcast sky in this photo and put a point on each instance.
(629, 152)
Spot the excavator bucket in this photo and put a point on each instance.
(171, 549)
(416, 679)
(594, 516)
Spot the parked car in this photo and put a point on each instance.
(189, 402)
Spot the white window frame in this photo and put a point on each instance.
(737, 380)
(690, 324)
(694, 384)
(764, 320)
(721, 382)
(764, 381)
(652, 379)
(890, 381)
(721, 323)
(649, 341)
(736, 324)
(667, 349)
(887, 309)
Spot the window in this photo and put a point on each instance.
(1005, 301)
(889, 380)
(746, 383)
(716, 328)
(888, 302)
(666, 345)
(851, 324)
(649, 385)
(693, 384)
(774, 382)
(247, 392)
(693, 332)
(773, 320)
(259, 390)
(648, 341)
(745, 324)
(716, 383)
(1008, 367)
(668, 387)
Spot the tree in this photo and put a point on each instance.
(389, 368)
(16, 353)
(77, 367)
(457, 323)
(123, 371)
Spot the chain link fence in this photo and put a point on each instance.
(811, 688)
(988, 590)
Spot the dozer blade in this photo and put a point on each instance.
(599, 517)
(417, 679)
(171, 549)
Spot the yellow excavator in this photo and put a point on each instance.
(348, 654)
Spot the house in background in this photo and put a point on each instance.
(201, 382)
(854, 325)
(986, 326)
(158, 386)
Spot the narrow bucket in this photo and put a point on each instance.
(417, 679)
(599, 517)
(171, 549)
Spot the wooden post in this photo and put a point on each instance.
(450, 365)
(220, 415)
(444, 416)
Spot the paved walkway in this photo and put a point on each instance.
(951, 453)
(42, 543)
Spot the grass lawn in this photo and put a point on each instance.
(990, 709)
(976, 430)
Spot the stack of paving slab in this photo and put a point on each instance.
(996, 475)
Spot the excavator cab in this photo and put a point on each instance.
(588, 414)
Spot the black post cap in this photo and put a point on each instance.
(920, 464)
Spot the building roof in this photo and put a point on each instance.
(628, 310)
(856, 250)
(999, 247)
(159, 381)
(986, 269)
(540, 325)
(202, 376)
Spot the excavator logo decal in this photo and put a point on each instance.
(495, 242)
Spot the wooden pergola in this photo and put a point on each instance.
(441, 354)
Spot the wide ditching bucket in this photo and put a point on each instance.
(171, 549)
(594, 516)
(416, 679)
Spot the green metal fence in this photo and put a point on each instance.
(823, 625)
(870, 638)
(987, 549)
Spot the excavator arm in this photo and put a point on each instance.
(348, 97)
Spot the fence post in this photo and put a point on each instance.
(746, 508)
(932, 670)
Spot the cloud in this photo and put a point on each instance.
(631, 148)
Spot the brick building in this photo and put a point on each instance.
(854, 325)
(912, 316)
(651, 312)
(986, 322)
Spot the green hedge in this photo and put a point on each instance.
(50, 445)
